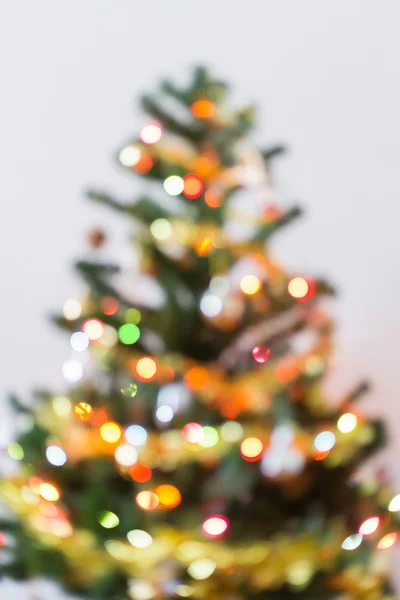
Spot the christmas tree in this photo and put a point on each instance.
(195, 453)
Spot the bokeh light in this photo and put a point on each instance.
(215, 526)
(129, 156)
(83, 411)
(173, 185)
(3, 540)
(210, 305)
(140, 589)
(72, 370)
(15, 451)
(151, 133)
(147, 500)
(93, 328)
(72, 309)
(251, 448)
(56, 456)
(126, 455)
(128, 333)
(146, 368)
(231, 431)
(369, 526)
(164, 413)
(139, 538)
(210, 437)
(108, 519)
(144, 164)
(250, 284)
(161, 229)
(213, 198)
(260, 354)
(196, 378)
(325, 441)
(140, 472)
(193, 433)
(62, 406)
(347, 423)
(49, 492)
(298, 287)
(168, 495)
(203, 109)
(79, 341)
(193, 186)
(133, 315)
(202, 568)
(109, 305)
(387, 541)
(352, 542)
(136, 435)
(394, 505)
(110, 432)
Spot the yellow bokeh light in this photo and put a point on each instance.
(202, 568)
(83, 410)
(388, 541)
(347, 423)
(251, 448)
(110, 432)
(250, 284)
(161, 229)
(168, 495)
(146, 368)
(93, 329)
(147, 500)
(298, 287)
(49, 492)
(62, 406)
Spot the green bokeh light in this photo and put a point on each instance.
(108, 519)
(133, 315)
(129, 333)
(15, 451)
(210, 437)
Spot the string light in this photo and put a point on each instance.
(215, 526)
(260, 354)
(109, 306)
(83, 411)
(210, 305)
(128, 333)
(15, 451)
(394, 505)
(210, 437)
(56, 456)
(79, 341)
(325, 441)
(387, 541)
(151, 133)
(352, 542)
(173, 185)
(129, 156)
(108, 519)
(161, 229)
(203, 109)
(202, 568)
(146, 368)
(251, 449)
(49, 492)
(110, 432)
(147, 500)
(93, 328)
(72, 371)
(139, 538)
(126, 455)
(62, 406)
(299, 288)
(347, 423)
(193, 433)
(193, 186)
(72, 310)
(168, 495)
(140, 472)
(164, 413)
(250, 284)
(231, 431)
(369, 526)
(136, 435)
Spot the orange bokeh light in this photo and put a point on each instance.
(250, 284)
(251, 449)
(196, 378)
(213, 198)
(144, 164)
(169, 495)
(203, 246)
(321, 455)
(110, 432)
(192, 186)
(140, 472)
(146, 368)
(109, 305)
(203, 109)
(147, 500)
(387, 541)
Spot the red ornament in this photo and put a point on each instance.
(261, 354)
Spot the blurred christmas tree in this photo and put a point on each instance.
(195, 453)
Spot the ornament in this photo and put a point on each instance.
(260, 354)
(96, 238)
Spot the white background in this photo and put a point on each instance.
(326, 77)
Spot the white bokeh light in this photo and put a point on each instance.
(79, 341)
(164, 414)
(210, 305)
(72, 371)
(126, 455)
(56, 456)
(136, 435)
